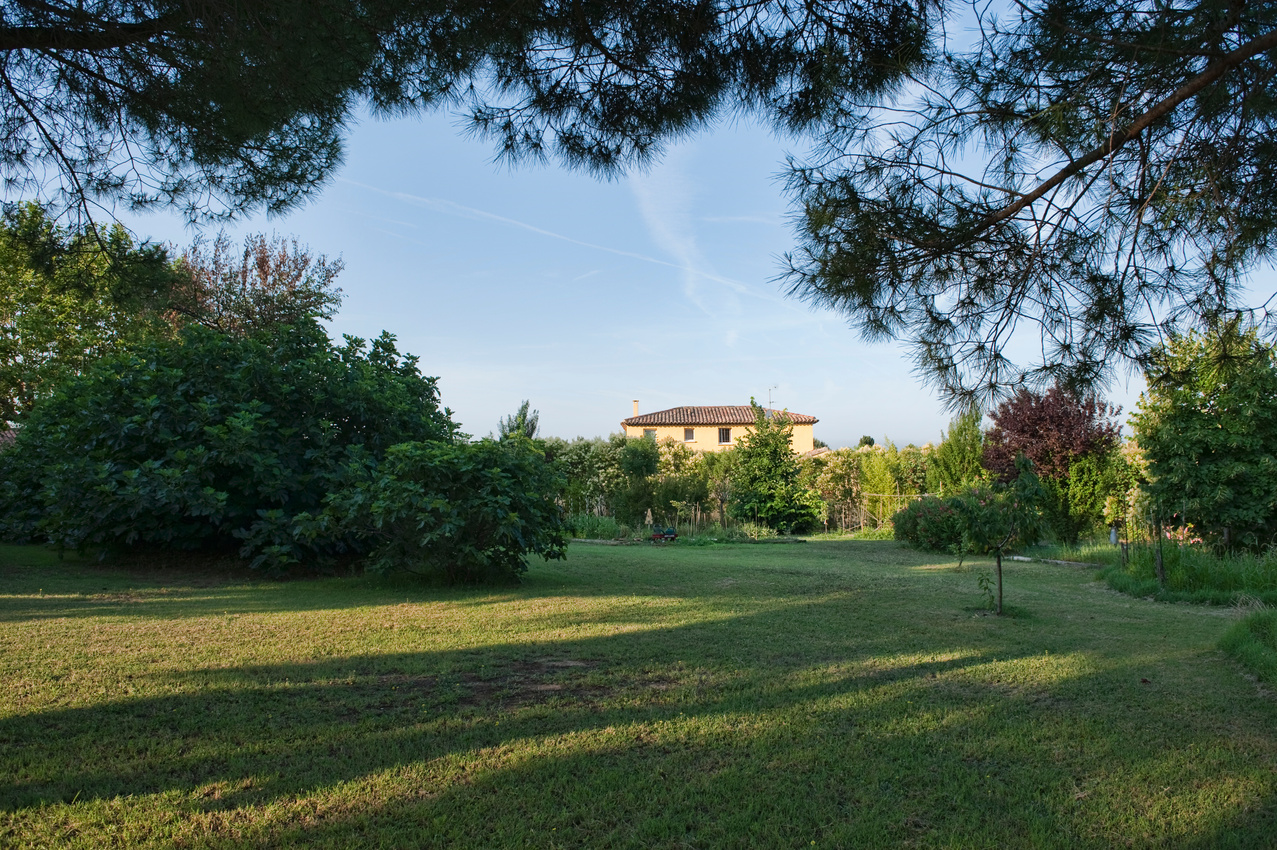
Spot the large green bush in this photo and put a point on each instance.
(209, 440)
(461, 512)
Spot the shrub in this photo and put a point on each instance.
(765, 481)
(461, 512)
(208, 440)
(929, 523)
(756, 531)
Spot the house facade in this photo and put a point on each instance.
(712, 429)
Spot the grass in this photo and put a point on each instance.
(834, 694)
(1085, 552)
(1253, 642)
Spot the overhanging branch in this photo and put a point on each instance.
(1117, 140)
(106, 36)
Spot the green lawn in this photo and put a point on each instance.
(833, 694)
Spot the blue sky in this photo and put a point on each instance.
(581, 294)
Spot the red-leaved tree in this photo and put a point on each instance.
(1069, 439)
(1052, 430)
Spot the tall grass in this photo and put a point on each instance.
(1194, 573)
(591, 527)
(1253, 642)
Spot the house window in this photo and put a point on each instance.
(649, 433)
(689, 435)
(724, 435)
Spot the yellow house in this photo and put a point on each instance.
(711, 429)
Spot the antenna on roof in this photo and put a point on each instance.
(769, 395)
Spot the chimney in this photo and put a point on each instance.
(635, 407)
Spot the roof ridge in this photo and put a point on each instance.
(713, 414)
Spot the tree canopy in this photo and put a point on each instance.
(1070, 439)
(68, 297)
(223, 106)
(1052, 429)
(1207, 427)
(1089, 174)
(765, 480)
(72, 295)
(272, 281)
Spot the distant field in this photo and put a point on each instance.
(833, 694)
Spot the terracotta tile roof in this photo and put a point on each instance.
(738, 414)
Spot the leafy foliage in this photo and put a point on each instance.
(978, 519)
(68, 297)
(959, 459)
(207, 439)
(889, 475)
(1052, 429)
(992, 521)
(591, 472)
(460, 512)
(997, 518)
(1060, 433)
(765, 481)
(932, 524)
(1207, 428)
(836, 476)
(273, 281)
(525, 422)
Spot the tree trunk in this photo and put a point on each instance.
(997, 559)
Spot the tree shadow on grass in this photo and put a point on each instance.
(665, 737)
(56, 593)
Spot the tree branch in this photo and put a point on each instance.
(1116, 140)
(105, 36)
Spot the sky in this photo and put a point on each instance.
(580, 294)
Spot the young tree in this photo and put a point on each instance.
(639, 460)
(1091, 173)
(992, 520)
(959, 459)
(68, 297)
(765, 482)
(272, 281)
(720, 471)
(1207, 428)
(525, 422)
(981, 518)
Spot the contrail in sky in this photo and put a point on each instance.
(453, 208)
